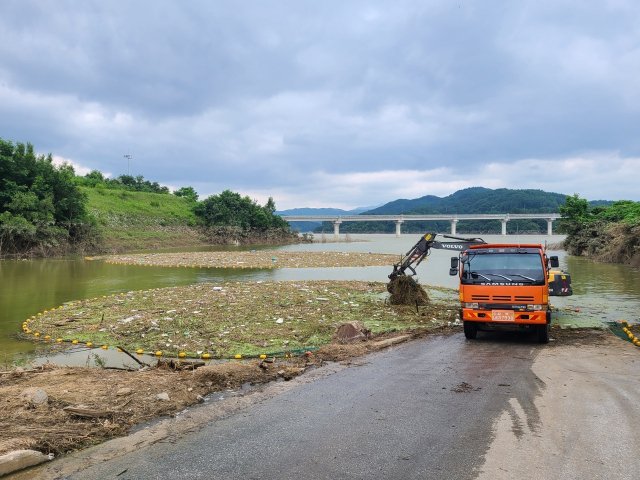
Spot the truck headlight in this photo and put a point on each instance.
(471, 305)
(531, 308)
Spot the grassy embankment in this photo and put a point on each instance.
(136, 220)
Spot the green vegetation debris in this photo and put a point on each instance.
(242, 318)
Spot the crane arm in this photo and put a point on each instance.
(422, 249)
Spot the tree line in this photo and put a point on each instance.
(43, 206)
(96, 179)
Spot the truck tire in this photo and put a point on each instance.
(470, 330)
(543, 333)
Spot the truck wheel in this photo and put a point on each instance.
(543, 333)
(470, 330)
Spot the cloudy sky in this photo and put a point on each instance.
(334, 103)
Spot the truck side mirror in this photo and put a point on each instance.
(454, 266)
(554, 262)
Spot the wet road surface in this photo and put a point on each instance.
(500, 407)
(420, 410)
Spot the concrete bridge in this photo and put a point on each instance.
(400, 219)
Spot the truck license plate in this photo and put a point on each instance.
(503, 316)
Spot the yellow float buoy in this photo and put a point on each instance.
(75, 342)
(58, 340)
(159, 353)
(104, 347)
(140, 351)
(47, 337)
(182, 354)
(238, 356)
(89, 344)
(206, 355)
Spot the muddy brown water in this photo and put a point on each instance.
(602, 292)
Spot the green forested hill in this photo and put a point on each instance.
(468, 201)
(477, 200)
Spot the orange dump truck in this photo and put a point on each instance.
(507, 287)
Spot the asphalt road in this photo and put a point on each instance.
(442, 408)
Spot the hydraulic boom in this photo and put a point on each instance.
(422, 249)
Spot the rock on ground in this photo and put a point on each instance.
(21, 459)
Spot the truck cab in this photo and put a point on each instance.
(504, 287)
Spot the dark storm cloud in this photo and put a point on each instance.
(273, 98)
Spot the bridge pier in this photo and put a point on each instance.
(453, 226)
(504, 226)
(336, 229)
(398, 223)
(549, 226)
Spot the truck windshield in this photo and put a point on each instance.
(515, 268)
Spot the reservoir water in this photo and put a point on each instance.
(602, 292)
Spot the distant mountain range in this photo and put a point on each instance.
(310, 226)
(324, 211)
(469, 200)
